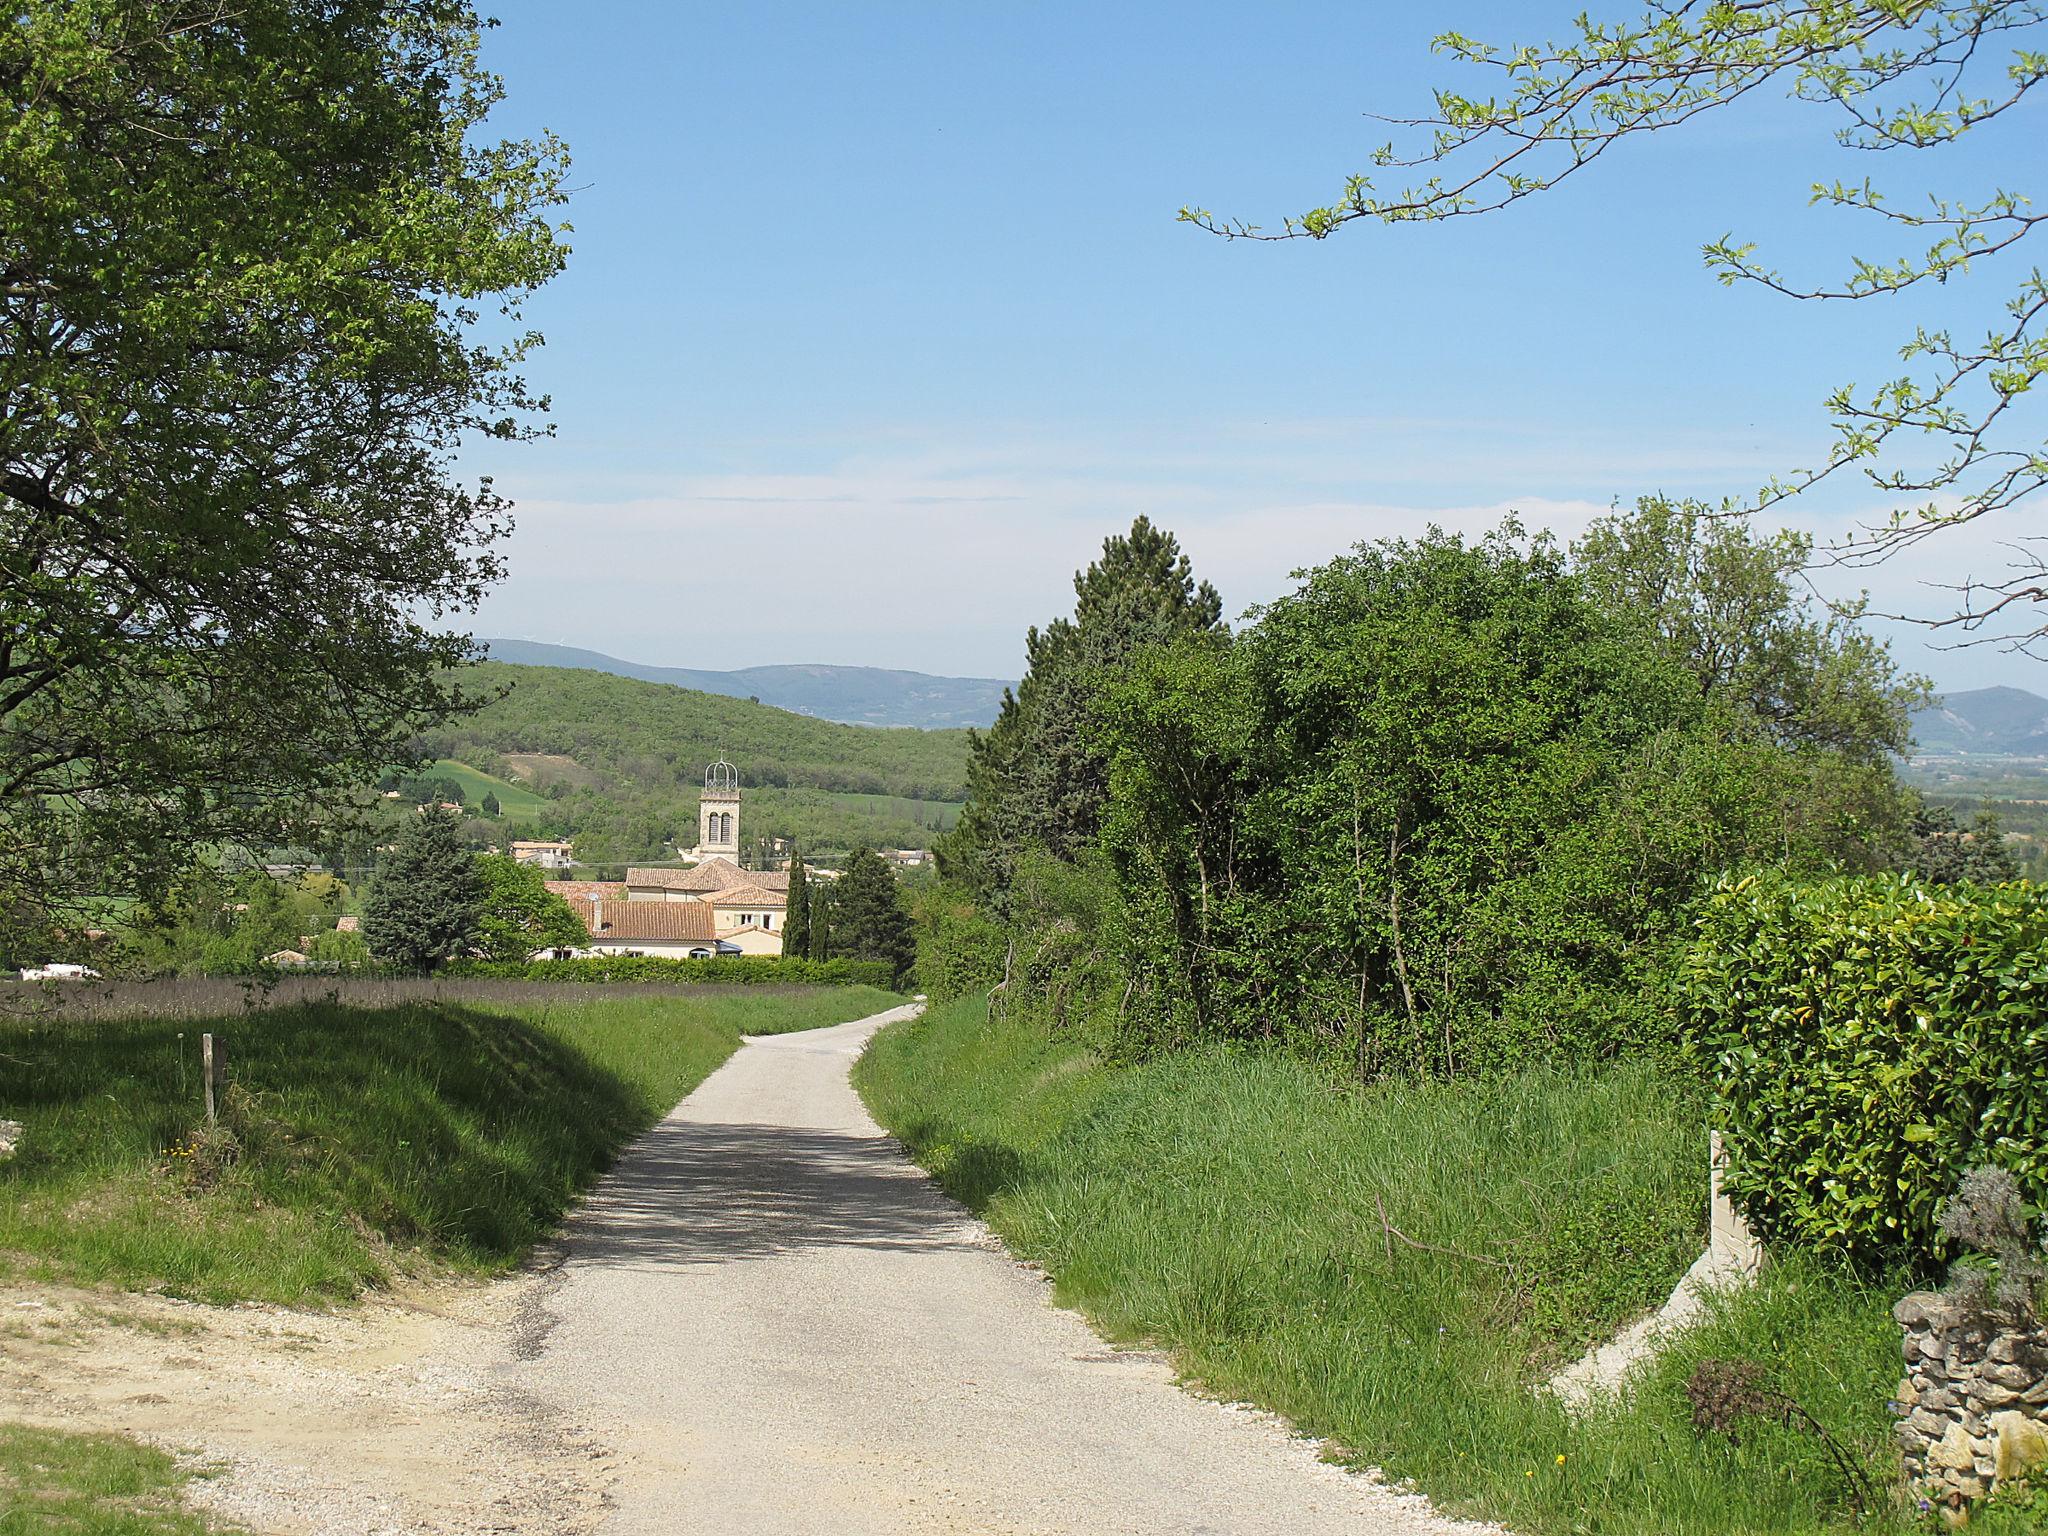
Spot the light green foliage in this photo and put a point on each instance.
(452, 1129)
(1899, 76)
(245, 259)
(209, 923)
(58, 1484)
(1554, 1206)
(426, 902)
(518, 915)
(869, 918)
(1872, 1039)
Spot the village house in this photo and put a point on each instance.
(545, 854)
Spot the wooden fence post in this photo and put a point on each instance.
(213, 1070)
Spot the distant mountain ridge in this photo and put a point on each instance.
(850, 695)
(1983, 722)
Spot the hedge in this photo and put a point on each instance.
(741, 972)
(1871, 1039)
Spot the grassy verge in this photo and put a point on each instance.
(358, 1141)
(1395, 1269)
(89, 1485)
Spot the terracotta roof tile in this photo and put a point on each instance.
(583, 892)
(619, 922)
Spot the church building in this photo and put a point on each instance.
(679, 912)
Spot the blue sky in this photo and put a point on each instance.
(879, 320)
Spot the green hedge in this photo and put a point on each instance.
(1871, 1039)
(740, 972)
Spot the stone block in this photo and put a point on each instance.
(2021, 1446)
(1953, 1452)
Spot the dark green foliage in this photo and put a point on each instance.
(796, 907)
(490, 806)
(1872, 1039)
(780, 970)
(519, 915)
(425, 905)
(1941, 850)
(869, 919)
(819, 919)
(1037, 779)
(246, 253)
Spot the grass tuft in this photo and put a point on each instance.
(89, 1485)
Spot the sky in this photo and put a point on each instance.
(879, 320)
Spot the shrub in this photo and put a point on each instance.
(1871, 1038)
(611, 968)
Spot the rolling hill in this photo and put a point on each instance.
(1987, 722)
(852, 695)
(617, 763)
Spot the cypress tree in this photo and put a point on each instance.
(820, 919)
(424, 905)
(796, 908)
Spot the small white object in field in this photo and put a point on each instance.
(919, 998)
(10, 1138)
(60, 970)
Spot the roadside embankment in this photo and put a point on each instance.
(438, 1128)
(1396, 1268)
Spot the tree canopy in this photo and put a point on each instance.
(245, 254)
(517, 915)
(1946, 440)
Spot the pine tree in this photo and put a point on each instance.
(490, 806)
(872, 923)
(796, 908)
(423, 907)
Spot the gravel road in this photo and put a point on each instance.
(778, 1326)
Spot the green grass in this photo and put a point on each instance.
(1228, 1206)
(54, 1484)
(444, 1131)
(515, 801)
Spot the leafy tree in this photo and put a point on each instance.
(1727, 604)
(870, 921)
(1941, 849)
(519, 915)
(796, 910)
(1440, 810)
(243, 256)
(1899, 77)
(490, 806)
(1036, 779)
(425, 904)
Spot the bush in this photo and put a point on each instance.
(1871, 1038)
(604, 968)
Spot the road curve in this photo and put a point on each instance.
(778, 1325)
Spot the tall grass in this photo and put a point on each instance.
(441, 1129)
(1397, 1269)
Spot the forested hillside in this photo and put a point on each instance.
(619, 762)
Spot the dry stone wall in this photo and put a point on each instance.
(1974, 1404)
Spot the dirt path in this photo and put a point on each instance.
(782, 1327)
(765, 1321)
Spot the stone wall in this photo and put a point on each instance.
(1974, 1404)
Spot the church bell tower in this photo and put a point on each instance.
(718, 813)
